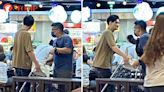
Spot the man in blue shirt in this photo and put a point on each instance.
(63, 53)
(140, 31)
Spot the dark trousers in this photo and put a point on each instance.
(154, 89)
(105, 73)
(143, 68)
(60, 74)
(23, 72)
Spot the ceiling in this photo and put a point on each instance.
(71, 5)
(119, 3)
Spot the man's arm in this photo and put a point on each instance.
(33, 58)
(119, 52)
(67, 49)
(29, 49)
(63, 50)
(111, 43)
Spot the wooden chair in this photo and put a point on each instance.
(5, 88)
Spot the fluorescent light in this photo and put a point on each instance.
(27, 5)
(111, 2)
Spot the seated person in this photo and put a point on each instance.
(86, 68)
(42, 53)
(78, 67)
(3, 68)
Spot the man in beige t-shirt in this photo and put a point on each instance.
(23, 54)
(105, 49)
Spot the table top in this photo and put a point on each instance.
(121, 80)
(48, 79)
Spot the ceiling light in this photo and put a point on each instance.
(40, 6)
(111, 3)
(76, 16)
(98, 4)
(143, 11)
(86, 13)
(58, 14)
(124, 2)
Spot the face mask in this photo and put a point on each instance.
(52, 34)
(135, 34)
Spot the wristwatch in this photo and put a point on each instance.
(55, 49)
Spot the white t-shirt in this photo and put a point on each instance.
(3, 72)
(86, 69)
(78, 67)
(42, 52)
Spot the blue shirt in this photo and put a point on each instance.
(63, 61)
(141, 42)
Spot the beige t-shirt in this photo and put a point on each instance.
(155, 74)
(104, 53)
(22, 45)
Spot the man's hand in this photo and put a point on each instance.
(135, 64)
(37, 67)
(52, 51)
(126, 59)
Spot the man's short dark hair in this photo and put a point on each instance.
(58, 25)
(112, 18)
(141, 23)
(28, 20)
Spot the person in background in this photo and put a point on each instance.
(42, 53)
(2, 54)
(86, 68)
(105, 49)
(74, 60)
(3, 66)
(78, 67)
(140, 31)
(45, 59)
(52, 41)
(4, 78)
(23, 53)
(153, 57)
(63, 54)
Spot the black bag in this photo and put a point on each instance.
(10, 73)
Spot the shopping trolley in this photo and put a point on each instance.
(33, 73)
(124, 71)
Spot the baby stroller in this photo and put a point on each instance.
(33, 73)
